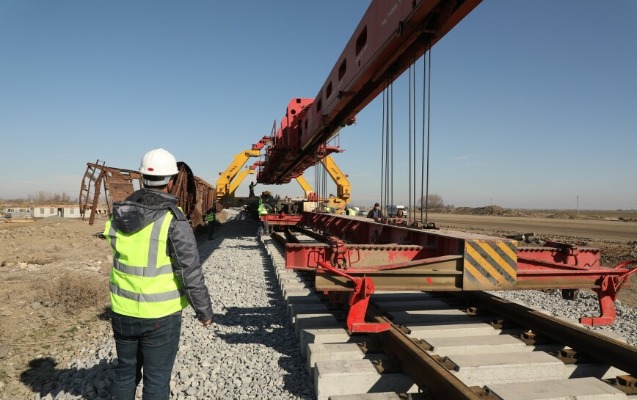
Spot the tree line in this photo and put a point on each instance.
(43, 197)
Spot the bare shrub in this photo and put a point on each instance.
(433, 201)
(77, 291)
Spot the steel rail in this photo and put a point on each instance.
(427, 373)
(314, 235)
(602, 348)
(430, 374)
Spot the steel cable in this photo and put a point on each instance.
(426, 123)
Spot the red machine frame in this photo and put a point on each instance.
(371, 255)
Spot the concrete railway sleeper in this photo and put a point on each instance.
(446, 346)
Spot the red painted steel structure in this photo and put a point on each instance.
(281, 219)
(389, 38)
(284, 147)
(363, 255)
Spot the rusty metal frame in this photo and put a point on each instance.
(195, 195)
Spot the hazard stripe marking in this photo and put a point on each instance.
(491, 264)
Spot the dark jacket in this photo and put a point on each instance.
(373, 213)
(145, 206)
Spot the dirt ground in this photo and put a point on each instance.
(55, 285)
(55, 272)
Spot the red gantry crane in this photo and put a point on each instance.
(360, 255)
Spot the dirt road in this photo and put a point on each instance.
(592, 229)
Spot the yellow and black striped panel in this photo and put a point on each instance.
(490, 264)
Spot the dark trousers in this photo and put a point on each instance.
(264, 229)
(145, 348)
(210, 228)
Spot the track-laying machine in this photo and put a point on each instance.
(358, 256)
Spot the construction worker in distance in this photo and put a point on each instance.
(251, 187)
(156, 273)
(375, 213)
(262, 210)
(262, 207)
(211, 217)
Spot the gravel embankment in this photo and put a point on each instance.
(251, 351)
(586, 305)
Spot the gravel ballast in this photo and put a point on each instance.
(251, 350)
(585, 305)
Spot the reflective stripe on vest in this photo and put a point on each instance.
(142, 282)
(210, 217)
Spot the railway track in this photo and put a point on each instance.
(445, 346)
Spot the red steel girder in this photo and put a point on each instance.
(388, 39)
(283, 147)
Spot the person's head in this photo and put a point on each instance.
(157, 168)
(376, 206)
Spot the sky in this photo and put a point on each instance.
(533, 104)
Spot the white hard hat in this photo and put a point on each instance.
(159, 163)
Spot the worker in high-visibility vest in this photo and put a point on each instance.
(211, 217)
(156, 273)
(262, 210)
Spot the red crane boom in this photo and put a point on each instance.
(390, 36)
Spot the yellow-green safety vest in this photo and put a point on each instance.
(142, 282)
(262, 210)
(210, 217)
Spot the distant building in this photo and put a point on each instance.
(48, 210)
(17, 213)
(63, 211)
